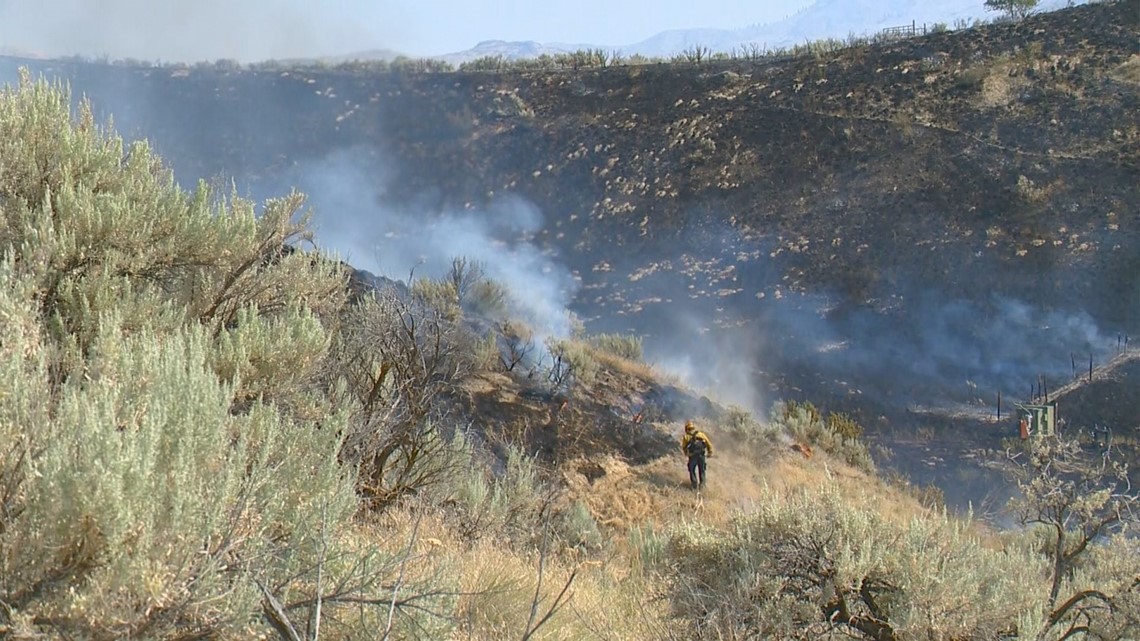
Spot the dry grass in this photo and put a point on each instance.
(624, 366)
(658, 493)
(1128, 72)
(1000, 89)
(495, 584)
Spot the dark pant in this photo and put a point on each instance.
(697, 471)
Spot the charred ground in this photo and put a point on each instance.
(917, 223)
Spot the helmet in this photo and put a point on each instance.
(689, 427)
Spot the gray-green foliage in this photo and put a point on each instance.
(1081, 508)
(167, 465)
(744, 428)
(798, 566)
(836, 434)
(569, 363)
(505, 505)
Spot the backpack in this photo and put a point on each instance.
(696, 447)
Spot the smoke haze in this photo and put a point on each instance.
(170, 30)
(346, 191)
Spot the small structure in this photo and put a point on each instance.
(1037, 420)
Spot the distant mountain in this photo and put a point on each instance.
(823, 19)
(21, 53)
(513, 50)
(370, 54)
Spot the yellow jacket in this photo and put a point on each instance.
(690, 435)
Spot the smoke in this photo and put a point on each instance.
(171, 30)
(720, 366)
(720, 335)
(346, 191)
(707, 328)
(932, 351)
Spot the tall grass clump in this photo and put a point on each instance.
(624, 346)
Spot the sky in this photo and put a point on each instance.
(250, 30)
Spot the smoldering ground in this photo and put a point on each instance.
(706, 324)
(737, 331)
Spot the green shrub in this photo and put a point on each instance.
(647, 550)
(843, 426)
(569, 363)
(743, 426)
(168, 463)
(506, 506)
(831, 434)
(486, 63)
(803, 563)
(578, 528)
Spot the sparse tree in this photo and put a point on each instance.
(1077, 500)
(474, 290)
(1013, 9)
(397, 352)
(516, 343)
(695, 54)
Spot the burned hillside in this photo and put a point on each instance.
(936, 219)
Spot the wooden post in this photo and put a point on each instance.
(1073, 358)
(999, 405)
(1090, 367)
(1045, 389)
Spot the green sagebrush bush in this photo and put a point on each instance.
(142, 502)
(800, 565)
(837, 434)
(569, 364)
(167, 466)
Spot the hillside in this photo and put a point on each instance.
(926, 222)
(212, 429)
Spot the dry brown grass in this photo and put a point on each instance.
(658, 493)
(495, 584)
(624, 366)
(1128, 72)
(1000, 89)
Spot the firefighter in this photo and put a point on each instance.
(696, 445)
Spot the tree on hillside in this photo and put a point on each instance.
(1013, 9)
(1082, 506)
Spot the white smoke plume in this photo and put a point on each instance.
(346, 193)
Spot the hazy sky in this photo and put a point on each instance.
(177, 30)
